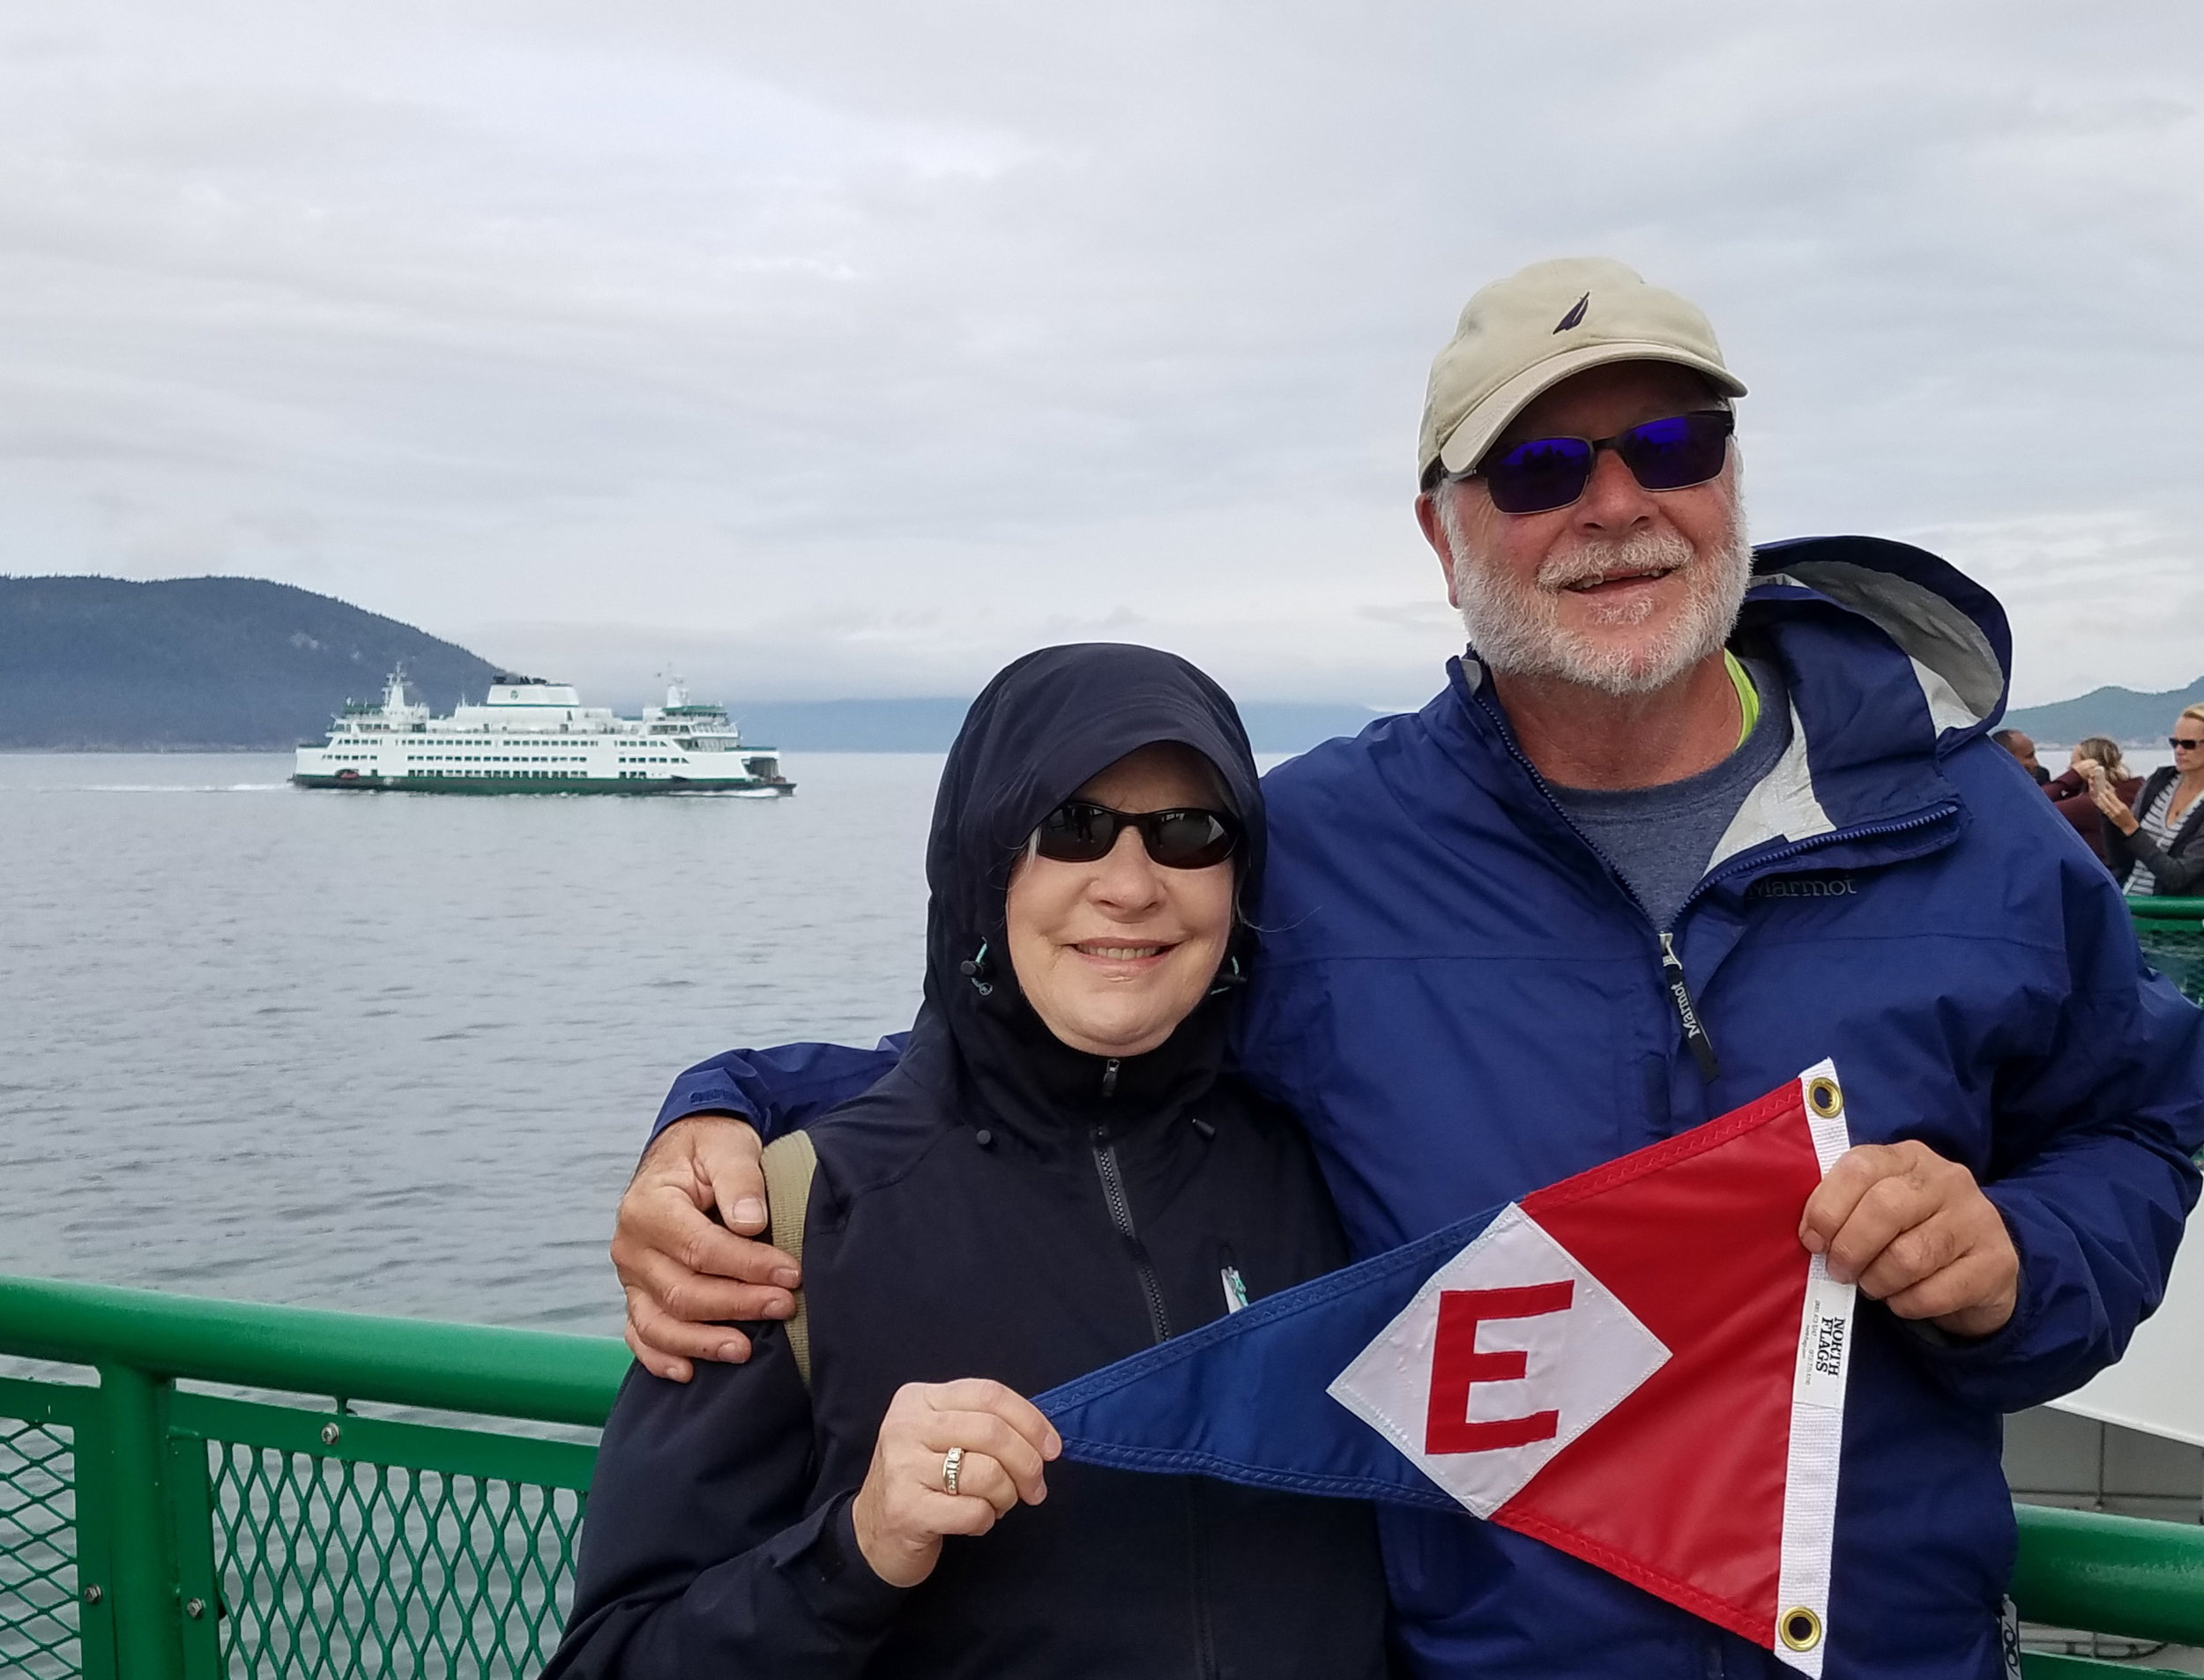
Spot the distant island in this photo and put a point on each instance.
(2130, 718)
(239, 664)
(229, 663)
(99, 663)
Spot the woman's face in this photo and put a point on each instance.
(1113, 955)
(2188, 760)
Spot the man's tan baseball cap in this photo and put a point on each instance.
(1525, 334)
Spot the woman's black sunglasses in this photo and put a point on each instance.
(1548, 472)
(1079, 831)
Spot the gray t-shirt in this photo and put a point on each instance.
(1660, 838)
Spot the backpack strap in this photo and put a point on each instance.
(789, 1164)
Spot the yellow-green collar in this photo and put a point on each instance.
(1748, 695)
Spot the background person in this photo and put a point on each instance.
(2070, 790)
(2156, 844)
(2024, 749)
(1055, 1177)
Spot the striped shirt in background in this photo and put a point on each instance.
(2158, 823)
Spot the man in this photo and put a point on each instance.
(2024, 749)
(1681, 823)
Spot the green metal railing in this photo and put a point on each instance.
(2125, 1576)
(152, 1533)
(149, 1532)
(2168, 910)
(2172, 934)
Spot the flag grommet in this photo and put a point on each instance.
(1800, 1628)
(1824, 1097)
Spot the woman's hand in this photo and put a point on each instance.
(905, 1507)
(2115, 808)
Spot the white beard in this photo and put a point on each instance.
(1516, 629)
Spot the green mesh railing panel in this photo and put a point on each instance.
(38, 1551)
(337, 1569)
(2176, 952)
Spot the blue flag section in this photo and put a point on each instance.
(1234, 1400)
(1640, 1365)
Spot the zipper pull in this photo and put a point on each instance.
(1228, 1275)
(1695, 1037)
(1109, 1077)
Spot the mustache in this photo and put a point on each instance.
(1599, 557)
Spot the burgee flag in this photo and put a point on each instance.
(1640, 1365)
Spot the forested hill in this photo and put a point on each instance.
(2131, 718)
(203, 662)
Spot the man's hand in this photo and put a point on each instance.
(1915, 1232)
(685, 1275)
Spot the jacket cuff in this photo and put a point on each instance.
(703, 1095)
(836, 1580)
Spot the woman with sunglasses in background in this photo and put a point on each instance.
(1054, 1177)
(2157, 845)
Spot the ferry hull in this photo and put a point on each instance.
(750, 789)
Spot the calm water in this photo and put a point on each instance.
(398, 1052)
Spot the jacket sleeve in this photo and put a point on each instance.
(2092, 1167)
(781, 1089)
(2176, 874)
(2120, 850)
(699, 1554)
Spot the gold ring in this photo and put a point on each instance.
(1823, 1096)
(1800, 1628)
(952, 1461)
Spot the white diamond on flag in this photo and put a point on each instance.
(1508, 1353)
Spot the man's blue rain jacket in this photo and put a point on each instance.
(1464, 1002)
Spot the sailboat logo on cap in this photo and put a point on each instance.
(1576, 317)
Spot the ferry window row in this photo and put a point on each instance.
(495, 758)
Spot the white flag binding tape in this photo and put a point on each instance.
(1817, 1415)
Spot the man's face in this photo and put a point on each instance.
(2022, 748)
(1625, 589)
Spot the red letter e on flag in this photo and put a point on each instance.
(1457, 1365)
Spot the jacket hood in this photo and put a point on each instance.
(1949, 629)
(1045, 726)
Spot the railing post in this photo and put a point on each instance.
(142, 1559)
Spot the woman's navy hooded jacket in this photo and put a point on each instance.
(1000, 1206)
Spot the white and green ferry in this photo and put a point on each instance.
(529, 736)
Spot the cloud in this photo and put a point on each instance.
(868, 347)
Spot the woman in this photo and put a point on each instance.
(2157, 845)
(2070, 790)
(1054, 1177)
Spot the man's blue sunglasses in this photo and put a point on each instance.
(1548, 472)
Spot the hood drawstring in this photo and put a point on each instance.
(1230, 978)
(1109, 1077)
(979, 970)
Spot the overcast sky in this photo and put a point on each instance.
(852, 349)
